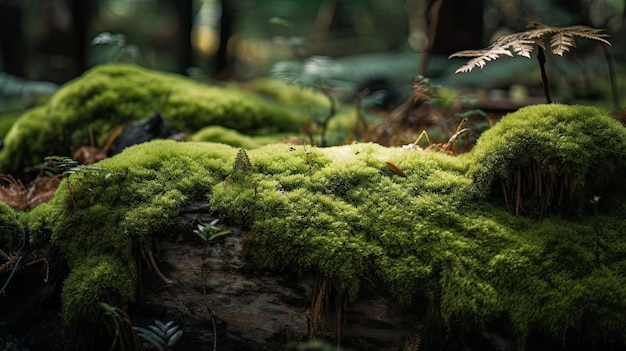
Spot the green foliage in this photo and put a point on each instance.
(161, 336)
(211, 231)
(66, 166)
(111, 95)
(118, 50)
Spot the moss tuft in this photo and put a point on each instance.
(98, 279)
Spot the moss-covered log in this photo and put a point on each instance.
(429, 231)
(431, 240)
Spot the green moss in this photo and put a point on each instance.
(137, 195)
(98, 279)
(432, 241)
(565, 155)
(111, 95)
(10, 230)
(6, 122)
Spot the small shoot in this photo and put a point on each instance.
(211, 231)
(64, 165)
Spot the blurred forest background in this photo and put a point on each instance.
(341, 41)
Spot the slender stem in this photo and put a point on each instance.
(17, 264)
(541, 57)
(611, 66)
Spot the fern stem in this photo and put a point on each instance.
(541, 57)
(611, 67)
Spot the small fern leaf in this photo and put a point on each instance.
(563, 39)
(147, 335)
(174, 339)
(588, 33)
(158, 332)
(561, 42)
(484, 56)
(171, 331)
(522, 46)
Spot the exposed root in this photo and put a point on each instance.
(156, 268)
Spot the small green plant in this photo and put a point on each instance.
(523, 43)
(211, 231)
(53, 165)
(119, 51)
(161, 336)
(242, 163)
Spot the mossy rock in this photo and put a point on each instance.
(112, 95)
(428, 237)
(551, 157)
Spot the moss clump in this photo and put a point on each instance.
(550, 156)
(106, 216)
(98, 279)
(111, 95)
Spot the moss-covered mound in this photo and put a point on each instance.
(112, 95)
(551, 157)
(101, 220)
(347, 214)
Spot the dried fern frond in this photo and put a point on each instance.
(510, 45)
(563, 39)
(523, 43)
